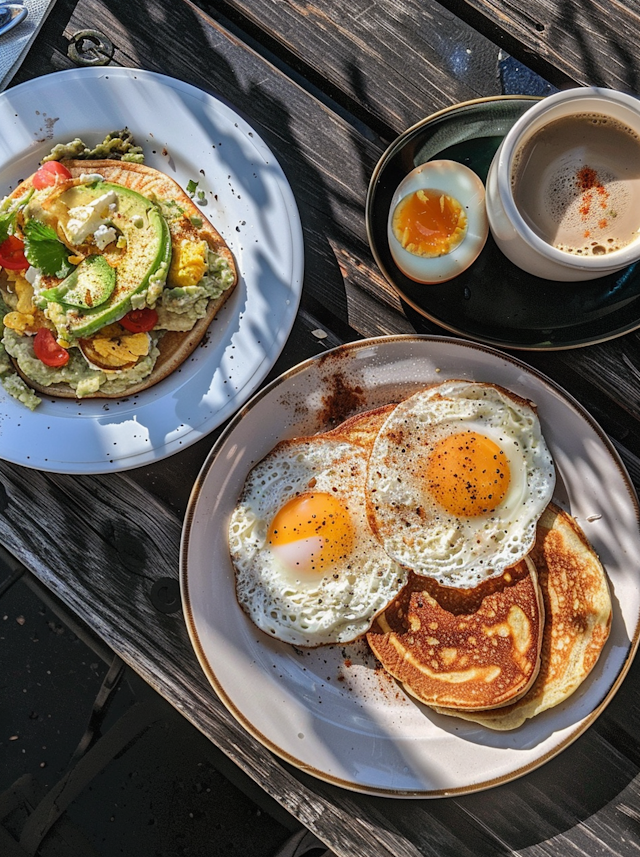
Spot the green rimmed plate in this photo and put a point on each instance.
(493, 301)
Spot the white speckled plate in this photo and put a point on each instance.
(190, 135)
(327, 711)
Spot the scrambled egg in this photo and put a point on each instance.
(25, 317)
(188, 263)
(114, 348)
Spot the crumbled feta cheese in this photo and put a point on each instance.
(85, 219)
(34, 276)
(31, 274)
(104, 235)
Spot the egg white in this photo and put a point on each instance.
(414, 528)
(461, 183)
(304, 609)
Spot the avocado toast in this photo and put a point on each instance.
(120, 276)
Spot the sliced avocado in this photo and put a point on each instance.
(87, 287)
(145, 260)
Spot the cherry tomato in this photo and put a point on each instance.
(49, 174)
(47, 349)
(140, 320)
(12, 254)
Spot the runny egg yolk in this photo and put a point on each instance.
(312, 533)
(468, 474)
(429, 223)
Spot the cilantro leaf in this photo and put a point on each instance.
(9, 210)
(44, 250)
(191, 187)
(7, 223)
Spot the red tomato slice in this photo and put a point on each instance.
(49, 174)
(140, 320)
(12, 254)
(47, 349)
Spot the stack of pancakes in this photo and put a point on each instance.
(510, 646)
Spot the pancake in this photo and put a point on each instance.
(188, 222)
(578, 619)
(468, 649)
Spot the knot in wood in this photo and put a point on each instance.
(90, 47)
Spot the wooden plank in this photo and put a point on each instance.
(389, 62)
(571, 808)
(590, 43)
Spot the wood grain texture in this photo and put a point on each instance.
(589, 42)
(101, 542)
(394, 61)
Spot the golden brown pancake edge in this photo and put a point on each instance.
(468, 649)
(577, 600)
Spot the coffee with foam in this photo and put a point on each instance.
(576, 183)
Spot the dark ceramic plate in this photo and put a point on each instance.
(493, 301)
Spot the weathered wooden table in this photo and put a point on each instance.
(329, 85)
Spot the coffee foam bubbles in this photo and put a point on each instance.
(577, 184)
(579, 214)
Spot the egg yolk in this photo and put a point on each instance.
(468, 474)
(429, 223)
(313, 532)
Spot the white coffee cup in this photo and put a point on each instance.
(521, 243)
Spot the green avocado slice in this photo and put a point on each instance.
(88, 286)
(144, 262)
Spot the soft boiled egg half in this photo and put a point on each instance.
(437, 222)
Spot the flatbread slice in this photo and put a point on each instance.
(174, 346)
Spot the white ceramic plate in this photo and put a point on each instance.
(326, 710)
(190, 135)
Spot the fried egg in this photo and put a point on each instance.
(437, 222)
(308, 569)
(457, 479)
